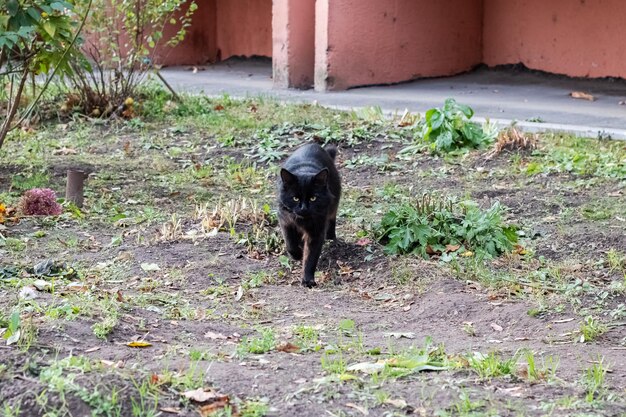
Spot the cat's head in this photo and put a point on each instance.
(305, 195)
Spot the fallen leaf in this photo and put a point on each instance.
(396, 402)
(65, 151)
(287, 347)
(154, 379)
(93, 349)
(496, 327)
(139, 344)
(170, 410)
(203, 395)
(452, 248)
(359, 408)
(27, 293)
(214, 336)
(119, 297)
(582, 95)
(467, 254)
(210, 409)
(399, 335)
(42, 285)
(150, 267)
(15, 336)
(76, 286)
(512, 391)
(563, 320)
(239, 293)
(366, 367)
(111, 364)
(219, 107)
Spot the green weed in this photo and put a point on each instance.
(435, 225)
(593, 380)
(449, 128)
(545, 371)
(591, 329)
(333, 363)
(252, 408)
(258, 345)
(307, 338)
(492, 365)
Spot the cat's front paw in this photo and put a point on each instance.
(309, 283)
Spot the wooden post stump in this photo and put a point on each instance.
(74, 188)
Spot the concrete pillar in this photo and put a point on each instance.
(293, 49)
(365, 42)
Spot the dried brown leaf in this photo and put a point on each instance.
(582, 95)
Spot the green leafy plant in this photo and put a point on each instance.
(449, 128)
(36, 37)
(445, 227)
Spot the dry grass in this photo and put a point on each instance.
(513, 139)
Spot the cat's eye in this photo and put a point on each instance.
(296, 199)
(312, 198)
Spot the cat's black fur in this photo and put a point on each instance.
(309, 192)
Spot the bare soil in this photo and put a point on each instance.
(179, 309)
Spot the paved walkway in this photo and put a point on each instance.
(535, 101)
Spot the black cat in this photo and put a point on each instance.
(309, 192)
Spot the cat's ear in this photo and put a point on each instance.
(289, 180)
(321, 178)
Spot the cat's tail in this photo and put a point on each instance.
(331, 150)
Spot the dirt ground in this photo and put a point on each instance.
(198, 298)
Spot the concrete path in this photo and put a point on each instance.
(535, 101)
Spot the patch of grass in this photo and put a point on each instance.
(33, 179)
(109, 317)
(492, 365)
(307, 338)
(258, 345)
(253, 408)
(544, 371)
(591, 328)
(445, 227)
(12, 244)
(601, 210)
(463, 407)
(579, 156)
(333, 363)
(147, 403)
(593, 380)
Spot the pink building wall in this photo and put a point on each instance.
(584, 38)
(199, 45)
(377, 42)
(244, 27)
(347, 43)
(221, 29)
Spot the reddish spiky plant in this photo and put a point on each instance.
(41, 202)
